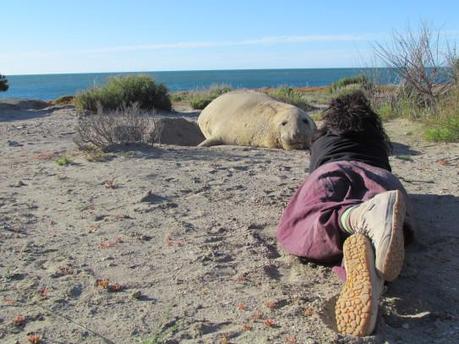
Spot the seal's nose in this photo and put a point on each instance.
(298, 135)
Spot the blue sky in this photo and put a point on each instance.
(50, 36)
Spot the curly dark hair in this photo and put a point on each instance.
(351, 115)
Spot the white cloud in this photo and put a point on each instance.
(273, 40)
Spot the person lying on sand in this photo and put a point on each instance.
(350, 207)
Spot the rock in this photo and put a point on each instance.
(152, 198)
(176, 131)
(136, 295)
(75, 291)
(18, 184)
(99, 217)
(14, 144)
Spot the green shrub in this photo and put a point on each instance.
(199, 102)
(200, 99)
(3, 84)
(449, 132)
(290, 96)
(455, 68)
(358, 81)
(64, 161)
(444, 126)
(124, 91)
(64, 100)
(385, 111)
(94, 154)
(179, 96)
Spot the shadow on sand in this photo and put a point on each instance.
(426, 292)
(188, 153)
(402, 149)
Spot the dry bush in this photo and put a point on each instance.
(128, 125)
(421, 59)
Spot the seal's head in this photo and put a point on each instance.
(296, 129)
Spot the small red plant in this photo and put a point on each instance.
(271, 304)
(19, 321)
(290, 340)
(110, 183)
(171, 242)
(109, 244)
(269, 322)
(241, 306)
(102, 283)
(34, 339)
(247, 327)
(308, 311)
(115, 287)
(110, 287)
(43, 292)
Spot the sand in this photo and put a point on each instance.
(176, 244)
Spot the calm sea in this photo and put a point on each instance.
(51, 86)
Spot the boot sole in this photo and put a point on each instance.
(393, 262)
(357, 305)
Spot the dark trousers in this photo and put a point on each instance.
(309, 226)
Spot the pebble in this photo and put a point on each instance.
(136, 295)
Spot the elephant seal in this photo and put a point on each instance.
(249, 118)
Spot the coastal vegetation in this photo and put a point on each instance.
(199, 99)
(360, 81)
(64, 100)
(428, 69)
(291, 96)
(108, 128)
(124, 91)
(64, 161)
(3, 83)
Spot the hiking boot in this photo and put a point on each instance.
(381, 219)
(356, 309)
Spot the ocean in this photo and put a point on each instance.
(51, 86)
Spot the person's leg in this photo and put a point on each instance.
(310, 224)
(381, 219)
(310, 227)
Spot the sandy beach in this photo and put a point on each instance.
(177, 244)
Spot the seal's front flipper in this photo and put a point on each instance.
(210, 142)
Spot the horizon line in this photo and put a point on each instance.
(192, 70)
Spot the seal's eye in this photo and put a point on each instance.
(284, 123)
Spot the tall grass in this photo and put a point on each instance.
(124, 91)
(441, 121)
(445, 125)
(292, 96)
(352, 83)
(200, 99)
